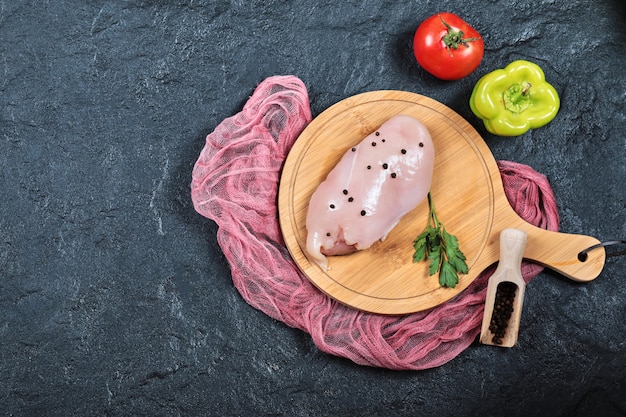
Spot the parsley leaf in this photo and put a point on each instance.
(448, 276)
(441, 248)
(420, 247)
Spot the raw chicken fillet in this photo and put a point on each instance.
(372, 187)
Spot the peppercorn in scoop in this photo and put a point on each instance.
(505, 292)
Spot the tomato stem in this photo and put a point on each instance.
(454, 38)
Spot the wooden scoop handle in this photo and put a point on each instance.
(512, 244)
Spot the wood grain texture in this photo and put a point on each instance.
(468, 195)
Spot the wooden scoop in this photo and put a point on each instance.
(505, 293)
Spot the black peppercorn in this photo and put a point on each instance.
(363, 212)
(502, 311)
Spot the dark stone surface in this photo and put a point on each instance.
(115, 298)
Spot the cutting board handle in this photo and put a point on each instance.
(559, 252)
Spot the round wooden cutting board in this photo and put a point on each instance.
(467, 193)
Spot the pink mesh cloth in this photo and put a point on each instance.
(235, 183)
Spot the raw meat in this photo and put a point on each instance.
(374, 184)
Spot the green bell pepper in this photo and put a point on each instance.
(515, 99)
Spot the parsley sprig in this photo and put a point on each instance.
(441, 249)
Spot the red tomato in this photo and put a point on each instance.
(447, 47)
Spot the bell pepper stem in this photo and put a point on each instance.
(517, 97)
